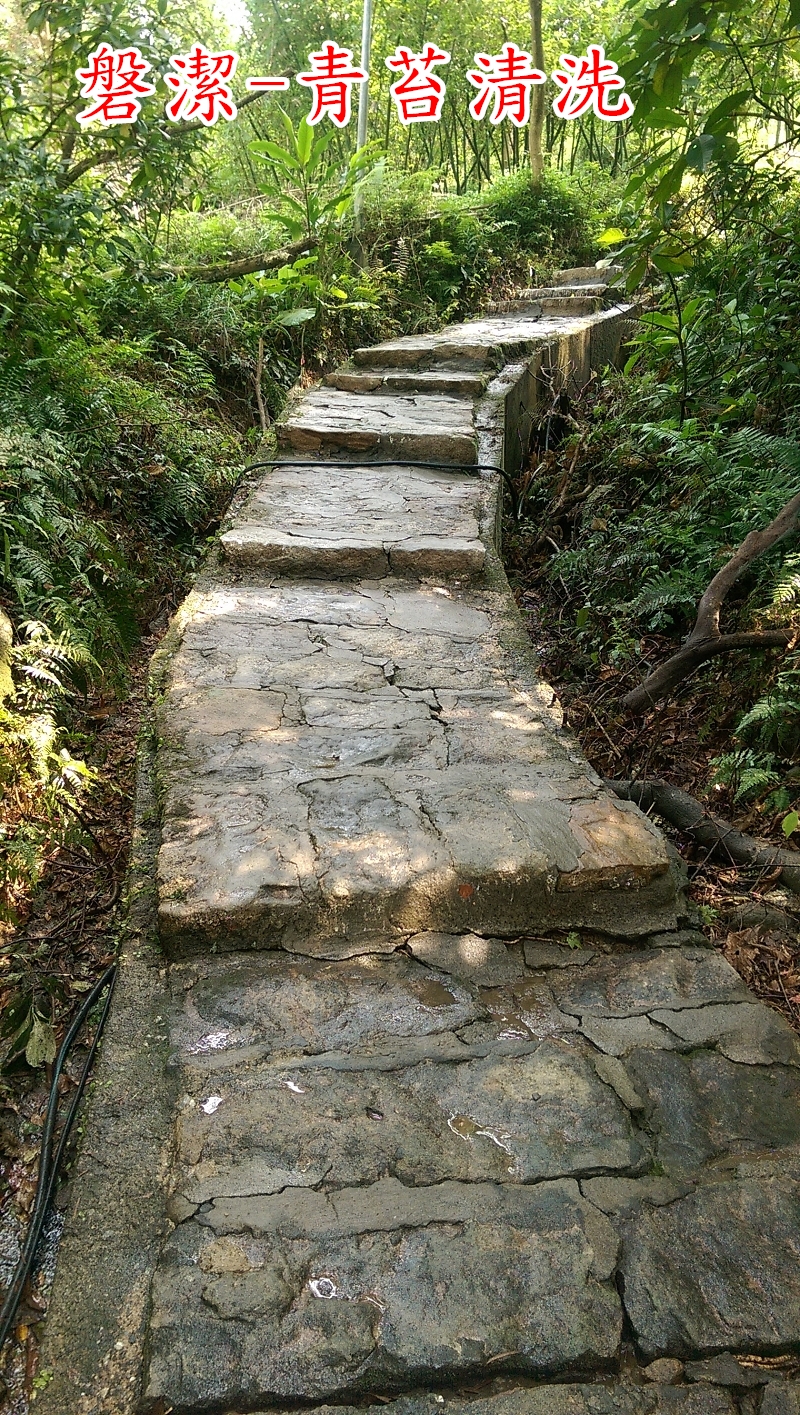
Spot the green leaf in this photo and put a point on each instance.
(292, 317)
(730, 107)
(289, 126)
(701, 152)
(636, 274)
(41, 1047)
(289, 223)
(661, 321)
(294, 204)
(660, 75)
(670, 183)
(6, 647)
(275, 153)
(670, 265)
(321, 147)
(611, 236)
(665, 120)
(305, 141)
(790, 823)
(691, 309)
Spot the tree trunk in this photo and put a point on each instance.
(250, 265)
(536, 126)
(716, 836)
(705, 640)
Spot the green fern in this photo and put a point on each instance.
(745, 772)
(774, 721)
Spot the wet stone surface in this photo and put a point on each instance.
(362, 1289)
(357, 1139)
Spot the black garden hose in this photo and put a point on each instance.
(49, 1162)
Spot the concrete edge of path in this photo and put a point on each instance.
(116, 1219)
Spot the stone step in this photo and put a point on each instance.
(425, 426)
(460, 385)
(344, 765)
(360, 521)
(550, 302)
(257, 550)
(586, 274)
(594, 289)
(601, 1136)
(482, 345)
(655, 1396)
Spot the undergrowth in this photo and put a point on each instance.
(638, 491)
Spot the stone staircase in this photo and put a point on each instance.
(418, 1088)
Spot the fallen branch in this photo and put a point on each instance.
(248, 266)
(705, 640)
(688, 816)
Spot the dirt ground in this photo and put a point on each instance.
(63, 941)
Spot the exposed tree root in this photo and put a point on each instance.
(687, 815)
(705, 640)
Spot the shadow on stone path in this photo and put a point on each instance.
(366, 1127)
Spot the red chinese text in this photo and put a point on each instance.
(420, 93)
(201, 88)
(506, 77)
(587, 82)
(114, 80)
(332, 77)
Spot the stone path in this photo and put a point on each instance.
(420, 1088)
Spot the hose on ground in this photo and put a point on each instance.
(50, 1162)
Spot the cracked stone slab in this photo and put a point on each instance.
(538, 1116)
(326, 782)
(781, 1398)
(295, 1073)
(619, 1036)
(743, 1031)
(307, 1007)
(484, 961)
(556, 955)
(725, 1370)
(360, 521)
(650, 980)
(428, 426)
(307, 1297)
(701, 1106)
(740, 1288)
